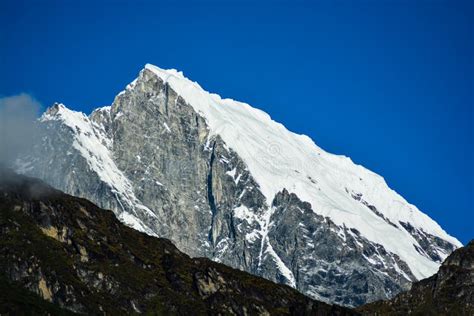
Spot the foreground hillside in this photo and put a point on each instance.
(449, 292)
(82, 259)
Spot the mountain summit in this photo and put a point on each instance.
(221, 179)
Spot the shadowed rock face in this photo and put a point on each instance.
(323, 262)
(448, 292)
(150, 159)
(82, 259)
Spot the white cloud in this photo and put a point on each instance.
(17, 125)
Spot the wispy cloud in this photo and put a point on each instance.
(17, 126)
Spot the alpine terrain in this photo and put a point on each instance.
(222, 180)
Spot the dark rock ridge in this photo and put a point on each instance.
(152, 159)
(79, 258)
(448, 292)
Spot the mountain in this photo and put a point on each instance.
(448, 292)
(222, 180)
(83, 260)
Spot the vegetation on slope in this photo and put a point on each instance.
(79, 257)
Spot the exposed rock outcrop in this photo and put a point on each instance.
(448, 292)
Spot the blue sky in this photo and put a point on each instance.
(388, 83)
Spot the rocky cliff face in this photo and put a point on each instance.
(342, 272)
(223, 181)
(79, 258)
(448, 292)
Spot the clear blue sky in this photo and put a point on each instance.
(388, 83)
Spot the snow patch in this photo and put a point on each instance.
(243, 213)
(281, 265)
(232, 173)
(133, 222)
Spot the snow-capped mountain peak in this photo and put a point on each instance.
(221, 179)
(335, 186)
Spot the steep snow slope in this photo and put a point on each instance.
(94, 145)
(347, 193)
